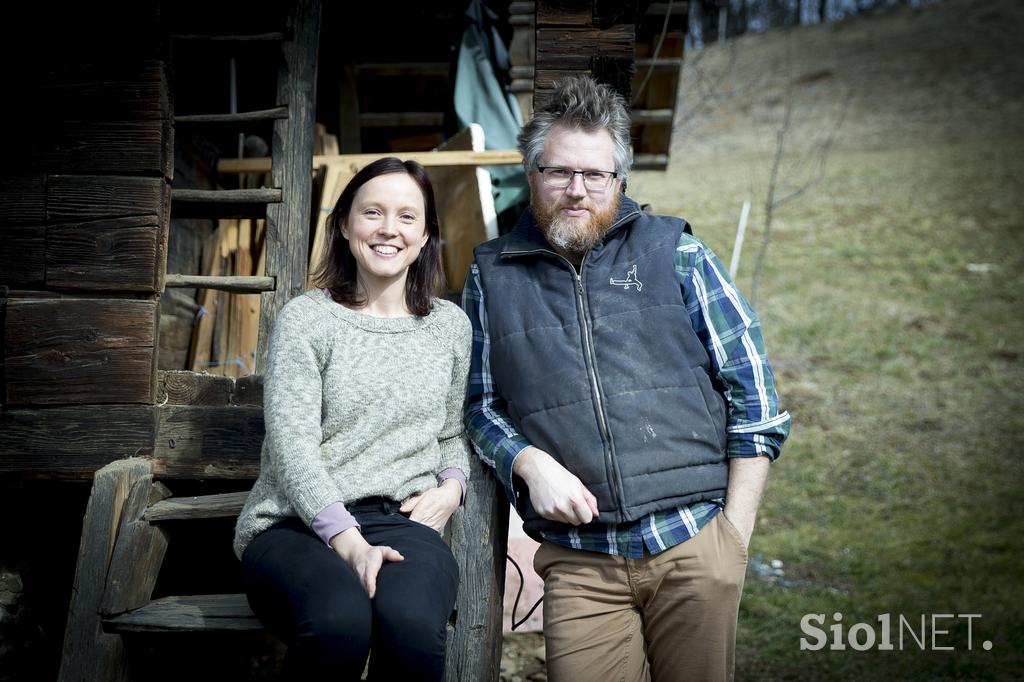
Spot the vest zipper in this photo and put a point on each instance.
(588, 354)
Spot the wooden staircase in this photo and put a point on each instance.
(124, 540)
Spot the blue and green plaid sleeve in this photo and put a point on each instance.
(731, 332)
(490, 430)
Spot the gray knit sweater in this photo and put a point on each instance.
(354, 406)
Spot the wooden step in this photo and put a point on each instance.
(240, 117)
(199, 507)
(195, 613)
(237, 284)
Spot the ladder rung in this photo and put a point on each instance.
(271, 37)
(238, 284)
(201, 507)
(643, 116)
(241, 117)
(194, 613)
(401, 118)
(270, 195)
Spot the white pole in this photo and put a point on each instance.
(738, 246)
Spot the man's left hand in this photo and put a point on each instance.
(435, 506)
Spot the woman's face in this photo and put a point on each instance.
(386, 228)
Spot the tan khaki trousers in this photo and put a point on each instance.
(667, 616)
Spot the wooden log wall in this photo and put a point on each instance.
(584, 36)
(87, 160)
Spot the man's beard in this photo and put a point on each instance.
(574, 236)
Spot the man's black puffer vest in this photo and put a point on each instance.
(603, 370)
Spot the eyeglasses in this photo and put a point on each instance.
(560, 178)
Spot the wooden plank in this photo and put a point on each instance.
(465, 207)
(138, 552)
(80, 351)
(104, 147)
(238, 284)
(493, 157)
(22, 255)
(202, 507)
(24, 199)
(572, 48)
(202, 336)
(74, 198)
(198, 613)
(116, 253)
(192, 388)
(73, 442)
(565, 13)
(287, 226)
(89, 653)
(336, 177)
(208, 442)
(115, 89)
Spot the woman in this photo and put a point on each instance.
(365, 457)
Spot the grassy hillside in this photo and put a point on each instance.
(891, 302)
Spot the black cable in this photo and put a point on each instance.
(515, 604)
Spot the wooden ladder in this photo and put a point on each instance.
(124, 534)
(123, 543)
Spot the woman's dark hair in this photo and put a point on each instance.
(336, 270)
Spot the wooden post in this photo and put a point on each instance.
(287, 224)
(89, 653)
(479, 539)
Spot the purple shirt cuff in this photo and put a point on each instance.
(331, 520)
(458, 475)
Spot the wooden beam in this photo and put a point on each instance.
(89, 653)
(287, 226)
(497, 157)
(61, 351)
(208, 442)
(113, 253)
(73, 442)
(75, 198)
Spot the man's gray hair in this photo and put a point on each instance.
(579, 102)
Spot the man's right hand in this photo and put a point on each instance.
(362, 557)
(555, 493)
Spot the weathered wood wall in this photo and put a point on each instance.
(588, 36)
(84, 205)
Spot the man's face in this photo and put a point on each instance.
(574, 218)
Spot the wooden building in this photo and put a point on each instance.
(116, 116)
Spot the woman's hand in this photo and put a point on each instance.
(362, 557)
(435, 506)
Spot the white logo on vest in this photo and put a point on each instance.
(630, 281)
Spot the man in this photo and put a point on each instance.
(620, 390)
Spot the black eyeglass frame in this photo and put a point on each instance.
(611, 175)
